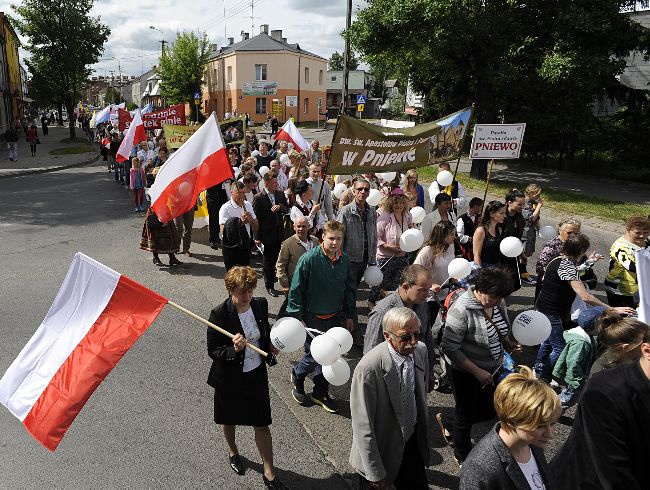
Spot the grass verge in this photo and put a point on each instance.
(565, 202)
(76, 140)
(72, 150)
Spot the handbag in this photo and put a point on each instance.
(38, 141)
(153, 222)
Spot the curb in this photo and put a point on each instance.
(33, 171)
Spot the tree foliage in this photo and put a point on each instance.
(336, 61)
(537, 61)
(181, 68)
(63, 40)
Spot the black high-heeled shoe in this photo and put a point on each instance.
(175, 261)
(157, 261)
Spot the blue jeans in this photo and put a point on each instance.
(569, 396)
(550, 349)
(13, 150)
(307, 364)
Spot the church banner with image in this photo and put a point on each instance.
(360, 147)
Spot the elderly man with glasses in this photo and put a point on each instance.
(388, 406)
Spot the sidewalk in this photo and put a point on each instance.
(43, 161)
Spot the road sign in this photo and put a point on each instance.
(361, 99)
(319, 103)
(360, 107)
(197, 95)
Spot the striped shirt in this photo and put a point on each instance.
(494, 340)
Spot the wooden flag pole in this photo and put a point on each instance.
(487, 184)
(329, 157)
(212, 325)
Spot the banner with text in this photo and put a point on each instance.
(154, 120)
(501, 141)
(359, 147)
(176, 135)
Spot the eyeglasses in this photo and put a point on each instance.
(362, 189)
(407, 337)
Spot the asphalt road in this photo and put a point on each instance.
(150, 423)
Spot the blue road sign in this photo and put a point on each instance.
(197, 95)
(361, 99)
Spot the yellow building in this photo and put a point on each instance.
(13, 85)
(265, 72)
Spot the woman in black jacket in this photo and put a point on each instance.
(238, 373)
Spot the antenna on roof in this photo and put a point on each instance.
(252, 16)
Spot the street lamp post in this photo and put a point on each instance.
(162, 41)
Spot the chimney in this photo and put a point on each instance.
(231, 40)
(264, 29)
(246, 36)
(277, 35)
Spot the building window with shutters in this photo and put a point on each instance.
(260, 105)
(306, 74)
(229, 74)
(260, 73)
(320, 77)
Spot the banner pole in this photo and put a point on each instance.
(329, 157)
(487, 184)
(212, 325)
(462, 141)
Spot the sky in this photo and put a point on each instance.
(133, 47)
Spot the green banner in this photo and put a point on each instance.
(359, 147)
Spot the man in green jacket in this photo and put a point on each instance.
(322, 295)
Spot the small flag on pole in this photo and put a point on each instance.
(97, 315)
(289, 132)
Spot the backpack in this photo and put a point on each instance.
(235, 235)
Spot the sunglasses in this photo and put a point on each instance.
(362, 189)
(408, 337)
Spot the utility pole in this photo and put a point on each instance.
(346, 58)
(252, 18)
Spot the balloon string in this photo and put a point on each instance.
(310, 330)
(382, 266)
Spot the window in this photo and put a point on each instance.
(260, 72)
(306, 74)
(230, 74)
(260, 105)
(306, 105)
(333, 79)
(320, 77)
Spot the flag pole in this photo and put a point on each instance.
(487, 184)
(212, 325)
(462, 141)
(329, 157)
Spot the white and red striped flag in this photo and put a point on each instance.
(200, 163)
(134, 135)
(97, 315)
(289, 132)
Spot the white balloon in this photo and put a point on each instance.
(511, 246)
(548, 232)
(185, 189)
(418, 213)
(388, 176)
(445, 178)
(237, 172)
(288, 334)
(339, 190)
(374, 197)
(343, 337)
(263, 170)
(324, 350)
(531, 327)
(254, 153)
(411, 240)
(459, 268)
(373, 276)
(337, 373)
(284, 159)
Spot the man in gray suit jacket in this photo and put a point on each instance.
(389, 408)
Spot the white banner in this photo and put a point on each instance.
(501, 141)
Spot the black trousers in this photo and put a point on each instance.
(269, 259)
(236, 256)
(473, 404)
(214, 205)
(412, 473)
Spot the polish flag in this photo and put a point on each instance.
(289, 132)
(200, 163)
(97, 315)
(134, 135)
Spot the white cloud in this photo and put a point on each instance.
(314, 24)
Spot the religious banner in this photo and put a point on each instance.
(360, 147)
(176, 135)
(154, 120)
(233, 130)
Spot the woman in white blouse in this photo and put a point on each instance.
(238, 373)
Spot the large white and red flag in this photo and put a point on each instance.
(97, 315)
(134, 135)
(200, 163)
(289, 132)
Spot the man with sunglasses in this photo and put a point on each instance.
(388, 407)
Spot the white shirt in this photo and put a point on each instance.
(296, 213)
(326, 209)
(532, 474)
(232, 210)
(252, 333)
(459, 202)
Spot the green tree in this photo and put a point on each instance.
(336, 62)
(112, 96)
(181, 69)
(63, 40)
(541, 62)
